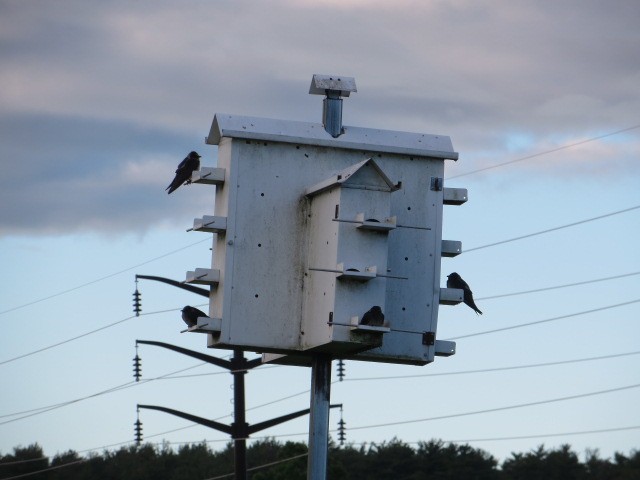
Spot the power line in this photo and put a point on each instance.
(38, 411)
(498, 409)
(17, 462)
(177, 377)
(497, 369)
(558, 286)
(260, 466)
(546, 435)
(103, 392)
(48, 469)
(67, 341)
(88, 333)
(518, 437)
(84, 460)
(62, 404)
(411, 376)
(219, 418)
(280, 399)
(552, 229)
(170, 431)
(101, 278)
(603, 357)
(224, 416)
(167, 376)
(539, 154)
(474, 413)
(544, 321)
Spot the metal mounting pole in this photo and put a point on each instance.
(239, 426)
(319, 417)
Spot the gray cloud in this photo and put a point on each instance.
(94, 104)
(69, 174)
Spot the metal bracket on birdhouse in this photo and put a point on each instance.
(203, 276)
(352, 273)
(451, 296)
(429, 338)
(455, 196)
(451, 248)
(209, 224)
(206, 325)
(208, 176)
(445, 348)
(374, 224)
(356, 326)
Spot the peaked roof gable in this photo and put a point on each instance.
(348, 176)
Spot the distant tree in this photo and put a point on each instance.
(394, 459)
(24, 460)
(439, 461)
(67, 465)
(270, 451)
(559, 464)
(198, 461)
(597, 468)
(627, 468)
(345, 462)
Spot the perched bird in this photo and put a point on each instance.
(190, 164)
(374, 317)
(190, 315)
(455, 281)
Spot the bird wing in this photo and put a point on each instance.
(464, 284)
(182, 164)
(199, 313)
(181, 177)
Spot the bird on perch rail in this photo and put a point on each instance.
(190, 164)
(455, 281)
(373, 317)
(190, 315)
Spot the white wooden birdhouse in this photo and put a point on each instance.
(311, 230)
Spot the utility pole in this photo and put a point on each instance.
(239, 430)
(238, 367)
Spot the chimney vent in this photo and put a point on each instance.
(334, 87)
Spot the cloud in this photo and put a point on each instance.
(562, 158)
(70, 174)
(95, 104)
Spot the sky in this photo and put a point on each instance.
(101, 100)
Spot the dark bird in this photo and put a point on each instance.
(190, 164)
(374, 317)
(455, 281)
(190, 315)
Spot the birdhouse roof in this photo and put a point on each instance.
(347, 176)
(307, 133)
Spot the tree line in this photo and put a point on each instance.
(393, 460)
